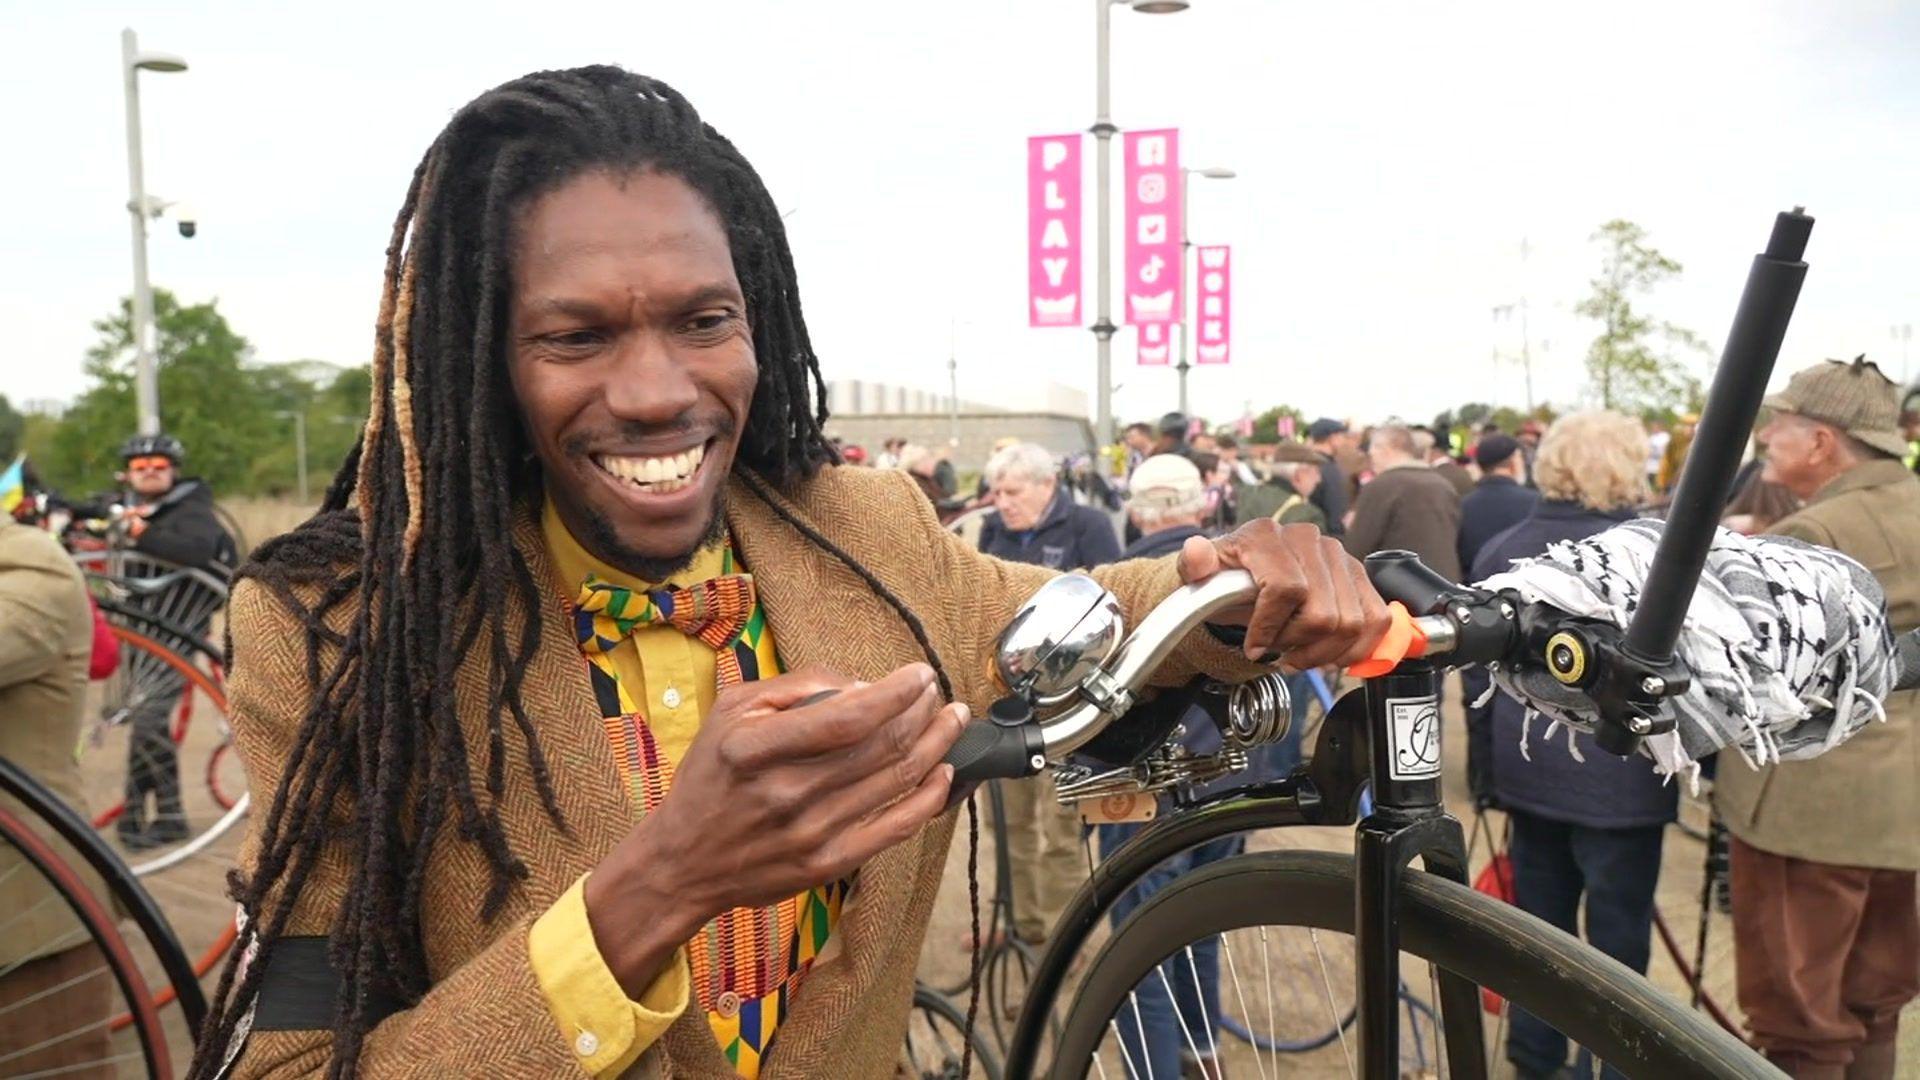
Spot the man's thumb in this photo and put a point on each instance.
(1199, 560)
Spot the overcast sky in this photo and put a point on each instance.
(1391, 159)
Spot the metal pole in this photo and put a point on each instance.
(1103, 328)
(300, 452)
(953, 389)
(1186, 245)
(146, 388)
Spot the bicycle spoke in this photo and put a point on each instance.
(1333, 1012)
(1273, 1028)
(1207, 1023)
(54, 989)
(1413, 1022)
(67, 1070)
(1178, 1017)
(1233, 973)
(1126, 1059)
(1140, 1028)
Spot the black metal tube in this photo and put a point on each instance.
(1753, 344)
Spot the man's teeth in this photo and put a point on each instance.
(655, 474)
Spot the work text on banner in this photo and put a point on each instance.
(1153, 248)
(1213, 323)
(1053, 230)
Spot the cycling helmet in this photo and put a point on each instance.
(165, 446)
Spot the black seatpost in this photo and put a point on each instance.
(1753, 344)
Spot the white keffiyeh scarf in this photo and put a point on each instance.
(1787, 643)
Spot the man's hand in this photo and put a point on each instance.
(773, 797)
(1315, 603)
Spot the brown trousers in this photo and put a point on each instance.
(1048, 857)
(1825, 956)
(59, 1006)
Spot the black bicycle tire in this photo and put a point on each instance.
(65, 881)
(927, 998)
(241, 548)
(1595, 1000)
(163, 625)
(134, 900)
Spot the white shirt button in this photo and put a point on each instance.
(671, 699)
(586, 1044)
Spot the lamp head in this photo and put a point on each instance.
(159, 61)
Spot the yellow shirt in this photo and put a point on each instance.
(671, 678)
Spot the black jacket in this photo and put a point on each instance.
(1603, 791)
(1068, 537)
(1496, 504)
(183, 529)
(1331, 495)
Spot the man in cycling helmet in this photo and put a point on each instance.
(170, 519)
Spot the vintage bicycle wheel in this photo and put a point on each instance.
(187, 690)
(184, 868)
(1598, 1004)
(936, 1041)
(77, 996)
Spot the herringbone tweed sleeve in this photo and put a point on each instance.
(493, 993)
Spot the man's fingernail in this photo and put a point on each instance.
(962, 713)
(926, 675)
(1268, 657)
(947, 769)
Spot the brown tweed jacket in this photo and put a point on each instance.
(486, 1015)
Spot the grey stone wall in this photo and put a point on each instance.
(1060, 434)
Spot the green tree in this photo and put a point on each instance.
(1266, 426)
(1631, 364)
(207, 398)
(13, 427)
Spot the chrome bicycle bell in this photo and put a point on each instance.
(1061, 635)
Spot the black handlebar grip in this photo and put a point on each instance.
(989, 751)
(1906, 661)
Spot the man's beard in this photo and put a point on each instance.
(603, 541)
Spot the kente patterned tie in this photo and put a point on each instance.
(746, 963)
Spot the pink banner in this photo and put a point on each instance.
(1053, 230)
(1153, 263)
(1151, 345)
(1213, 325)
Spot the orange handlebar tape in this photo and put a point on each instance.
(1403, 639)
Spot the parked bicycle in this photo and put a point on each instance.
(1071, 671)
(97, 937)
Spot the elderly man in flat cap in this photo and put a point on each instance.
(1286, 495)
(1827, 939)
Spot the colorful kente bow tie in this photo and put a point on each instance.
(713, 611)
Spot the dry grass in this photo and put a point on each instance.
(263, 519)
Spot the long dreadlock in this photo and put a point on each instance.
(419, 512)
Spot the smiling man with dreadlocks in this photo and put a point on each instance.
(528, 706)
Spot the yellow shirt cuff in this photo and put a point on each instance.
(605, 1030)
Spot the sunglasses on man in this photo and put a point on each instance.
(155, 463)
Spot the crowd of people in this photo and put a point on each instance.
(1824, 851)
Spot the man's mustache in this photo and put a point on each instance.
(586, 442)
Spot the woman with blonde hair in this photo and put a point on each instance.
(1586, 825)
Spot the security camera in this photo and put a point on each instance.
(188, 221)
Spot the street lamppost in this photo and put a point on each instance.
(146, 389)
(1103, 130)
(1186, 248)
(299, 449)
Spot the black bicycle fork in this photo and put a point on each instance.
(1408, 820)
